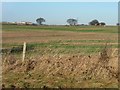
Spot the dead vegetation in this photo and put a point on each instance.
(64, 71)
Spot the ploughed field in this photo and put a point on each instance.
(60, 56)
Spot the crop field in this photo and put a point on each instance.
(60, 56)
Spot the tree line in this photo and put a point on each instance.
(72, 22)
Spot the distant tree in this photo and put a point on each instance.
(94, 22)
(118, 24)
(40, 20)
(72, 21)
(102, 23)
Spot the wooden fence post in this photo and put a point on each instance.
(114, 52)
(24, 51)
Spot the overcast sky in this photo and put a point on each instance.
(59, 12)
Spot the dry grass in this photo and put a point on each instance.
(77, 71)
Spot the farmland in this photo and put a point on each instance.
(61, 56)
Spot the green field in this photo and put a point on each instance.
(61, 37)
(97, 29)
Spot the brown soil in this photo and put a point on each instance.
(44, 36)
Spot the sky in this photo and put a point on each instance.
(60, 0)
(59, 12)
